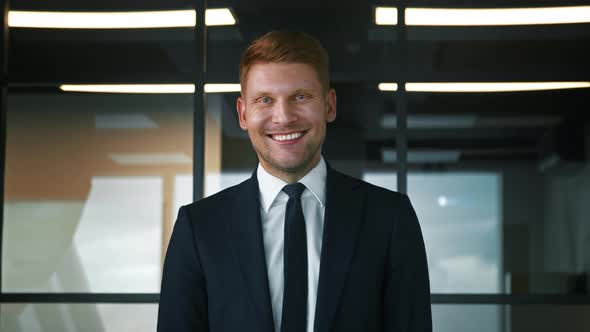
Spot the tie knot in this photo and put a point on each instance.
(294, 190)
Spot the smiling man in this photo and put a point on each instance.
(285, 108)
(298, 247)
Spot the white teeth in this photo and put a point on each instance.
(286, 137)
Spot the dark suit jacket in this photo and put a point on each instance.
(373, 271)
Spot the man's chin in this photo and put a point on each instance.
(288, 163)
(288, 166)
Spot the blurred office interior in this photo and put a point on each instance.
(477, 109)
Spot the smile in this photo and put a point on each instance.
(286, 137)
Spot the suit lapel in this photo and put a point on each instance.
(344, 206)
(250, 248)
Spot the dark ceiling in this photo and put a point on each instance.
(362, 55)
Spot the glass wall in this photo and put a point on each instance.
(41, 317)
(89, 189)
(535, 197)
(497, 318)
(515, 152)
(91, 184)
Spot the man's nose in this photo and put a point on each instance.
(284, 112)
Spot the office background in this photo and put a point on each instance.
(92, 180)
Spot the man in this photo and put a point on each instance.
(299, 246)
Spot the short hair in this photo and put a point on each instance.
(287, 47)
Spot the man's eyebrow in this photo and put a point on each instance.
(259, 94)
(303, 90)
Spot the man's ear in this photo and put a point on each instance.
(241, 108)
(331, 106)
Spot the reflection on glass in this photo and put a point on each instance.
(229, 157)
(216, 182)
(510, 318)
(567, 230)
(78, 317)
(460, 218)
(90, 182)
(116, 317)
(116, 236)
(381, 179)
(183, 193)
(480, 318)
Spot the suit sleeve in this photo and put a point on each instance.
(183, 296)
(407, 286)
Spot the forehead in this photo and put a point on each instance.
(281, 77)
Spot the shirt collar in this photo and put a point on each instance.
(270, 186)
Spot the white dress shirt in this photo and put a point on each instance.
(273, 203)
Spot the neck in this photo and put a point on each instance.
(290, 177)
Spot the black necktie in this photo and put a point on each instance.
(294, 318)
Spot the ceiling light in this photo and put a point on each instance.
(484, 16)
(493, 87)
(386, 16)
(102, 20)
(497, 16)
(130, 88)
(219, 16)
(149, 88)
(388, 86)
(484, 86)
(217, 88)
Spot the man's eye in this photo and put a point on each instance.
(300, 97)
(264, 100)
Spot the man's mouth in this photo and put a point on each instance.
(287, 137)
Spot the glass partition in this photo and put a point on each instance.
(89, 189)
(46, 317)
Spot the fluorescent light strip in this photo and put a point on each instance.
(117, 20)
(493, 87)
(217, 88)
(411, 87)
(500, 16)
(388, 86)
(386, 16)
(102, 20)
(219, 16)
(484, 87)
(484, 16)
(130, 88)
(148, 88)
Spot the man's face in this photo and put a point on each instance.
(285, 110)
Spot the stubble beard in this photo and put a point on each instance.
(299, 168)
